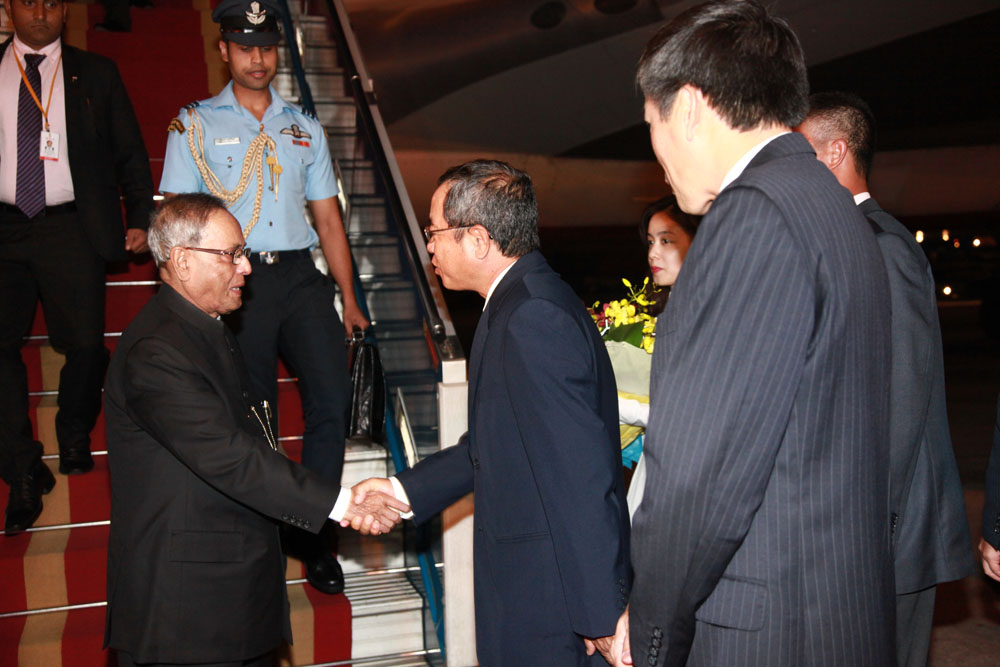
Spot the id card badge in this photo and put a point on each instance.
(49, 146)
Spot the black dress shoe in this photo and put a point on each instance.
(25, 500)
(75, 460)
(325, 574)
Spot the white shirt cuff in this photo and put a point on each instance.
(340, 507)
(400, 493)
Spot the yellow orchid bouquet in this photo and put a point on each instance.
(628, 330)
(627, 320)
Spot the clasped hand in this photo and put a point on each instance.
(374, 509)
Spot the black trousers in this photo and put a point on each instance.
(49, 258)
(288, 308)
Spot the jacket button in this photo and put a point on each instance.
(655, 651)
(284, 517)
(657, 632)
(306, 524)
(657, 643)
(475, 463)
(651, 660)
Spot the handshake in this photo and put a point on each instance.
(374, 509)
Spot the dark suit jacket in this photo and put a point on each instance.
(991, 508)
(762, 537)
(195, 570)
(544, 458)
(107, 158)
(929, 526)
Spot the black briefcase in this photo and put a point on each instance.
(367, 418)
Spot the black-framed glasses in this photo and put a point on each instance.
(236, 255)
(429, 233)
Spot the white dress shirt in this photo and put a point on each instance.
(58, 181)
(741, 164)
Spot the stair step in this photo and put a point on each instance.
(336, 113)
(377, 254)
(387, 615)
(75, 636)
(326, 85)
(315, 29)
(345, 143)
(369, 215)
(390, 300)
(123, 302)
(358, 175)
(74, 499)
(70, 637)
(317, 56)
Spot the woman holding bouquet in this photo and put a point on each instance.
(668, 233)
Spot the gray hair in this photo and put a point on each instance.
(180, 221)
(498, 197)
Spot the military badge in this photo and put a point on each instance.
(256, 15)
(176, 126)
(299, 135)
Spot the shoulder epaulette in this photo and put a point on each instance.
(191, 105)
(176, 126)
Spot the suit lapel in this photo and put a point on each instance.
(869, 207)
(476, 355)
(493, 308)
(74, 102)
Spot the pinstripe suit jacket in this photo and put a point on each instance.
(763, 537)
(929, 527)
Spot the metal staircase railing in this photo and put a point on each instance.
(438, 332)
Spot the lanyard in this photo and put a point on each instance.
(31, 89)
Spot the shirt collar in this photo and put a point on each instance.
(227, 98)
(52, 50)
(496, 281)
(741, 164)
(860, 197)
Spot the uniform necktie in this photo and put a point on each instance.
(30, 189)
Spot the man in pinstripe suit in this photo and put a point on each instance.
(762, 538)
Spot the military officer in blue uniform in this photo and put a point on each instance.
(269, 161)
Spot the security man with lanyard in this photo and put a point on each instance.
(267, 160)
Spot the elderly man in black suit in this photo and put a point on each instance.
(542, 452)
(71, 146)
(198, 486)
(762, 538)
(930, 532)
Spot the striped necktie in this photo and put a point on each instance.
(30, 189)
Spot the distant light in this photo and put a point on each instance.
(956, 244)
(976, 242)
(919, 236)
(946, 291)
(944, 235)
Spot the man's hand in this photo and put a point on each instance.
(991, 559)
(374, 509)
(353, 318)
(135, 241)
(614, 648)
(601, 645)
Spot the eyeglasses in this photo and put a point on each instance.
(429, 233)
(237, 254)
